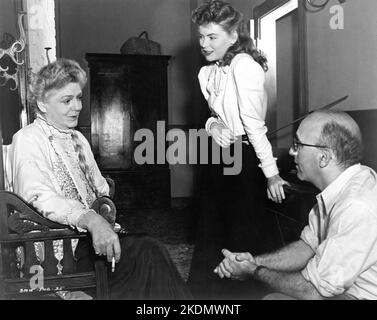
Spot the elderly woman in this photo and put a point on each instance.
(55, 171)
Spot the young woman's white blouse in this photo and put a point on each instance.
(237, 98)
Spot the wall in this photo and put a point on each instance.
(245, 7)
(343, 62)
(9, 101)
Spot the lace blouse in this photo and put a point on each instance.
(47, 174)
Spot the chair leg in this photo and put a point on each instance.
(102, 287)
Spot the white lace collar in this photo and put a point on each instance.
(54, 131)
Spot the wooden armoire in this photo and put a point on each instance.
(128, 93)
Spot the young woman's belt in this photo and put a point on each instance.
(245, 139)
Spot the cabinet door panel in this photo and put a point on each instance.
(111, 118)
(149, 100)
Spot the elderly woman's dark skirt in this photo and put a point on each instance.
(145, 270)
(232, 216)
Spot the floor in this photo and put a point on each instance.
(174, 228)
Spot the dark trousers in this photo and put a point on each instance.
(232, 216)
(145, 270)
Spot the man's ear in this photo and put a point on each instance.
(325, 158)
(41, 106)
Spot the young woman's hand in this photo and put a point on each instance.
(222, 135)
(275, 190)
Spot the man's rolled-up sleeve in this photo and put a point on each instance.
(308, 236)
(310, 233)
(345, 253)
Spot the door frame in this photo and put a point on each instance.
(268, 7)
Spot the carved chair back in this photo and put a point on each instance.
(36, 254)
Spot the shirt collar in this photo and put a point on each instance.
(224, 69)
(333, 191)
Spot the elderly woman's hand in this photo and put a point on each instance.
(105, 240)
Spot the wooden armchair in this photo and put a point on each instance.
(22, 229)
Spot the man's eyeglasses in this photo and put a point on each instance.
(296, 143)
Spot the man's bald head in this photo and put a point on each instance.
(321, 118)
(339, 132)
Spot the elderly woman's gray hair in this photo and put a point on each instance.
(55, 75)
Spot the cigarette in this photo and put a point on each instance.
(113, 264)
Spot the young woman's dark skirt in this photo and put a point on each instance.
(232, 216)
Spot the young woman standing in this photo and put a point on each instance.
(232, 206)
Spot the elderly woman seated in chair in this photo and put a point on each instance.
(55, 171)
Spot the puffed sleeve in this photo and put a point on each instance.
(249, 80)
(203, 80)
(345, 253)
(99, 181)
(34, 180)
(203, 77)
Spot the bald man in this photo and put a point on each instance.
(336, 256)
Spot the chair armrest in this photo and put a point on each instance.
(19, 221)
(111, 184)
(106, 208)
(24, 211)
(25, 221)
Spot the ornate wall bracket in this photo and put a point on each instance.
(316, 6)
(13, 52)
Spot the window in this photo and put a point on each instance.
(40, 30)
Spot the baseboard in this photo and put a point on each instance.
(182, 202)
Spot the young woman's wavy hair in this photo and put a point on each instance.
(223, 14)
